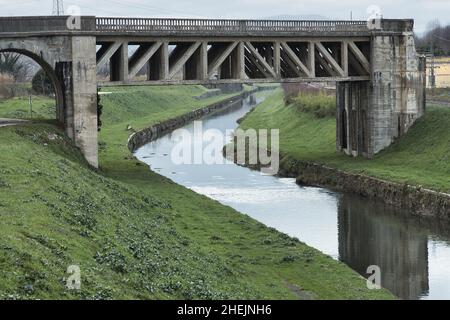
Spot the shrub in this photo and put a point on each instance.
(321, 104)
(10, 64)
(292, 90)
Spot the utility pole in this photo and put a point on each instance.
(432, 78)
(58, 7)
(31, 107)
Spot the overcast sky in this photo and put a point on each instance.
(422, 11)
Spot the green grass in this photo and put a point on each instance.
(135, 234)
(421, 157)
(440, 94)
(19, 108)
(320, 105)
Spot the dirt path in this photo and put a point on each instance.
(438, 102)
(10, 122)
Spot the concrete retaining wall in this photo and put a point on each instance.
(209, 94)
(418, 201)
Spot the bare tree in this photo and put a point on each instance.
(435, 40)
(9, 64)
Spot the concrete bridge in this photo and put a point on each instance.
(380, 79)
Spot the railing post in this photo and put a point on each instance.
(242, 26)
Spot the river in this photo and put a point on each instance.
(413, 253)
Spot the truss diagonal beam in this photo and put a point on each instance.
(291, 54)
(260, 60)
(359, 56)
(217, 62)
(291, 65)
(256, 66)
(183, 59)
(105, 55)
(327, 56)
(322, 62)
(140, 62)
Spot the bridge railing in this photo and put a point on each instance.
(106, 24)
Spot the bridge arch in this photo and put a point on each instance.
(51, 73)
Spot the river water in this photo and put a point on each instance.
(413, 254)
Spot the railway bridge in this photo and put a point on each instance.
(380, 78)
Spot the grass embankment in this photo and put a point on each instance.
(19, 108)
(439, 95)
(134, 233)
(421, 157)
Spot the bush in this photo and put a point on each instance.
(42, 84)
(321, 104)
(10, 64)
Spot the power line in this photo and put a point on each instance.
(58, 7)
(442, 39)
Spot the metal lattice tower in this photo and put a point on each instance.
(58, 7)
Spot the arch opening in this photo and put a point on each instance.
(51, 74)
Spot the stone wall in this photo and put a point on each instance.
(417, 200)
(226, 87)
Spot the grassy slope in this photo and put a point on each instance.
(19, 108)
(136, 234)
(422, 157)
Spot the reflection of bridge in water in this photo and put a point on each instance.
(380, 77)
(398, 245)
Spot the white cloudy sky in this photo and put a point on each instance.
(422, 11)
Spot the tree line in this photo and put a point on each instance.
(435, 40)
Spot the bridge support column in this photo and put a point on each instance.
(158, 67)
(79, 82)
(119, 64)
(352, 134)
(398, 88)
(371, 115)
(197, 66)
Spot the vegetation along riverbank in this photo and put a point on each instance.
(133, 233)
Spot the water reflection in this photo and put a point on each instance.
(369, 234)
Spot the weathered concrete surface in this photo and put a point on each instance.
(371, 115)
(85, 97)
